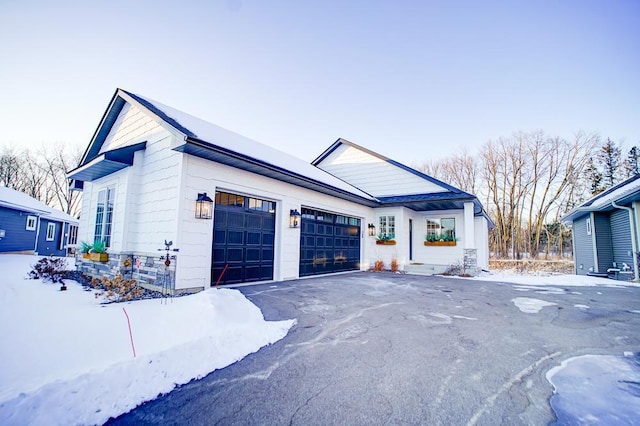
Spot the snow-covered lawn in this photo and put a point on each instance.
(547, 279)
(65, 358)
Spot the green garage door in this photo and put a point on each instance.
(243, 239)
(328, 243)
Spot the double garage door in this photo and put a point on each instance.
(244, 237)
(328, 243)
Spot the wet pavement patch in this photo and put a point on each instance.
(596, 389)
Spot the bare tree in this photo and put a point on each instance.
(42, 174)
(10, 168)
(34, 178)
(557, 166)
(461, 170)
(530, 179)
(56, 162)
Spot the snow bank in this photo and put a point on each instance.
(552, 279)
(67, 359)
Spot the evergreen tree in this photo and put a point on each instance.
(609, 159)
(631, 164)
(593, 177)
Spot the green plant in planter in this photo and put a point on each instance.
(85, 247)
(98, 247)
(434, 238)
(388, 237)
(98, 252)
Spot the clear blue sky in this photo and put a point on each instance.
(412, 80)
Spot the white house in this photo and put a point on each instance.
(275, 217)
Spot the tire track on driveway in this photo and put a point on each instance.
(507, 385)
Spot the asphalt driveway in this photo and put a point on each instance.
(381, 348)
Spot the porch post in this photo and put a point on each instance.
(469, 230)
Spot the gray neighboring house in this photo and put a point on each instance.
(605, 232)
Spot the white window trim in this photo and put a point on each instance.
(108, 190)
(35, 223)
(385, 230)
(51, 231)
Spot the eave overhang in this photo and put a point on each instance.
(206, 150)
(106, 163)
(584, 210)
(432, 201)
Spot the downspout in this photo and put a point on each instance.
(594, 243)
(35, 247)
(634, 242)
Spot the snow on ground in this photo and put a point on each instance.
(597, 389)
(547, 279)
(66, 358)
(529, 305)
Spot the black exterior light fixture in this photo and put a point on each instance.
(204, 206)
(372, 229)
(294, 219)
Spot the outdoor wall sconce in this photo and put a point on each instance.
(204, 206)
(372, 229)
(294, 219)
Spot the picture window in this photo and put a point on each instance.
(441, 229)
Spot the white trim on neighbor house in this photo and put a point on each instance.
(594, 243)
(51, 231)
(32, 222)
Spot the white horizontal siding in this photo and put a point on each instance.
(154, 197)
(146, 194)
(373, 175)
(132, 126)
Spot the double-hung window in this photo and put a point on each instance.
(32, 221)
(72, 236)
(104, 216)
(387, 228)
(51, 231)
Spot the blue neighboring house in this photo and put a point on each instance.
(30, 226)
(605, 232)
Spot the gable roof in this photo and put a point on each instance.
(342, 141)
(17, 200)
(623, 193)
(206, 140)
(446, 197)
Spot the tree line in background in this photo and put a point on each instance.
(42, 174)
(529, 180)
(526, 181)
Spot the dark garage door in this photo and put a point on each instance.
(328, 243)
(243, 238)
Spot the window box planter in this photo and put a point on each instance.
(386, 242)
(86, 255)
(99, 257)
(439, 243)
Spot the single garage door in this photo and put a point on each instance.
(328, 243)
(243, 238)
